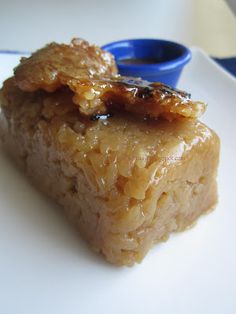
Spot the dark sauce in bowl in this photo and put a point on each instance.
(141, 61)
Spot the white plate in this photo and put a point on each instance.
(45, 267)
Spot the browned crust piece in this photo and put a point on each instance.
(150, 100)
(55, 64)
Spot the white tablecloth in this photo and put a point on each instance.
(27, 24)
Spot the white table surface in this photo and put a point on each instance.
(28, 24)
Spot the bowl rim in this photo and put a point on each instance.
(170, 65)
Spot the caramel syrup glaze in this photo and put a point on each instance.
(145, 89)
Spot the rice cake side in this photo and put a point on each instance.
(126, 182)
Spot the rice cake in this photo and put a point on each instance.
(127, 182)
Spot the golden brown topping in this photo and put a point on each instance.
(53, 65)
(155, 100)
(91, 75)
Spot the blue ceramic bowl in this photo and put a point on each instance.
(154, 60)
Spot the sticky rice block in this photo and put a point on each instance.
(126, 182)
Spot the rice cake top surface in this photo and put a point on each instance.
(123, 135)
(91, 74)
